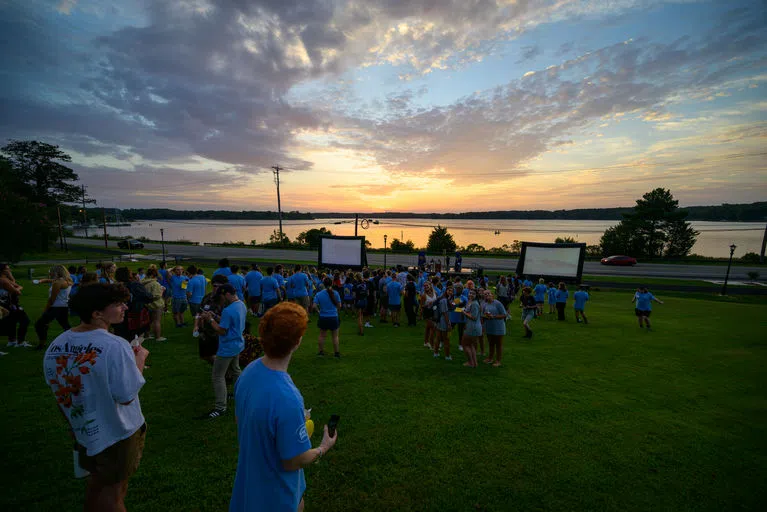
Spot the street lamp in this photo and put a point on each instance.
(385, 237)
(729, 264)
(162, 239)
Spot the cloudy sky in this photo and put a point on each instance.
(373, 105)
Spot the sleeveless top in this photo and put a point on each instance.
(62, 299)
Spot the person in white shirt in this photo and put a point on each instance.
(95, 377)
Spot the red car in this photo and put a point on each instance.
(619, 260)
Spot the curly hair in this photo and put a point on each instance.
(97, 297)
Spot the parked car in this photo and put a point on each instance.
(619, 260)
(130, 243)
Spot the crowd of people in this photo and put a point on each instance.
(118, 309)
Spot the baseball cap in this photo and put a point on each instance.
(226, 288)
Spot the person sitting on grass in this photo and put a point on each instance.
(274, 444)
(643, 299)
(581, 297)
(94, 372)
(230, 343)
(527, 303)
(473, 330)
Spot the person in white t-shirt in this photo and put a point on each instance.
(96, 377)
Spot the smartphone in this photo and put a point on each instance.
(332, 424)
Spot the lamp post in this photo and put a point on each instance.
(385, 237)
(729, 264)
(162, 239)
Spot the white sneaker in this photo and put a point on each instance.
(195, 334)
(162, 339)
(12, 344)
(436, 356)
(25, 344)
(460, 347)
(427, 345)
(368, 324)
(3, 353)
(448, 358)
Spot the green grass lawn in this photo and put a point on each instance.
(602, 416)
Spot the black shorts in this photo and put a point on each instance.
(361, 304)
(254, 299)
(384, 304)
(207, 345)
(642, 312)
(427, 313)
(328, 323)
(395, 307)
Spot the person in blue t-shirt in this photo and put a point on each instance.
(270, 291)
(236, 280)
(348, 289)
(394, 296)
(253, 287)
(327, 302)
(282, 291)
(581, 297)
(231, 341)
(361, 301)
(299, 286)
(178, 283)
(527, 282)
(562, 295)
(643, 299)
(552, 293)
(195, 291)
(539, 292)
(274, 444)
(223, 268)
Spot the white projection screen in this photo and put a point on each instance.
(554, 261)
(342, 251)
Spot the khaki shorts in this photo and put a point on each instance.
(118, 462)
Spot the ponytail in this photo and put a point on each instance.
(328, 283)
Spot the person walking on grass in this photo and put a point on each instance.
(552, 295)
(410, 299)
(179, 303)
(361, 303)
(300, 285)
(527, 303)
(238, 281)
(253, 287)
(195, 291)
(57, 306)
(581, 297)
(473, 331)
(495, 327)
(328, 302)
(157, 305)
(443, 324)
(644, 299)
(96, 378)
(539, 292)
(274, 445)
(230, 343)
(428, 298)
(394, 294)
(562, 296)
(270, 290)
(455, 306)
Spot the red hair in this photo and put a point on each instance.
(281, 328)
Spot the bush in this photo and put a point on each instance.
(750, 257)
(753, 275)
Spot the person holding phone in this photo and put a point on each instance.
(271, 423)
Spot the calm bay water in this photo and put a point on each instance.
(714, 239)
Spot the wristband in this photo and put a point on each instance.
(320, 455)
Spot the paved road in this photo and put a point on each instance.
(505, 264)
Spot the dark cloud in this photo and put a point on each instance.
(529, 53)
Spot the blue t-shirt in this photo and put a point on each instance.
(580, 299)
(562, 295)
(495, 326)
(325, 303)
(238, 282)
(552, 295)
(196, 288)
(394, 291)
(163, 276)
(540, 292)
(527, 283)
(224, 271)
(269, 288)
(233, 320)
(177, 292)
(299, 284)
(457, 302)
(419, 284)
(280, 280)
(253, 283)
(644, 301)
(270, 429)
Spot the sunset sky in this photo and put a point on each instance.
(393, 105)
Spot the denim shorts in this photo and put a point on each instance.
(179, 305)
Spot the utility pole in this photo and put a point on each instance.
(61, 229)
(104, 217)
(764, 245)
(357, 218)
(162, 238)
(85, 214)
(276, 169)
